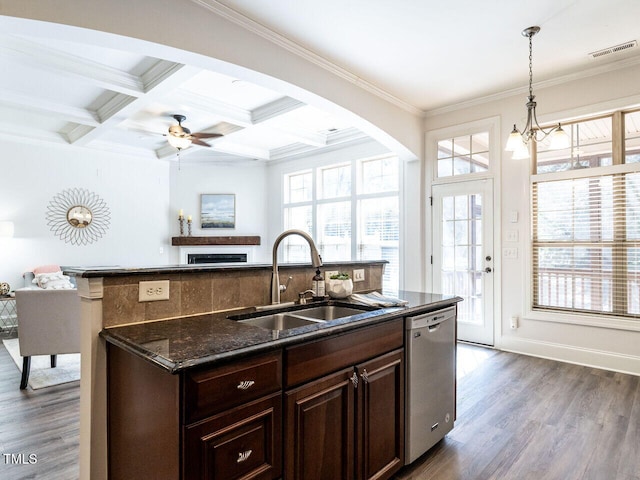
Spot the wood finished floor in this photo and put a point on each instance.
(522, 418)
(519, 418)
(44, 422)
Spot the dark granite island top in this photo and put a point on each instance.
(181, 343)
(118, 271)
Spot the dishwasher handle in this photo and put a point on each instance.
(431, 319)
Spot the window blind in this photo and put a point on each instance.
(586, 244)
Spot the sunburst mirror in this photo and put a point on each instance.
(78, 216)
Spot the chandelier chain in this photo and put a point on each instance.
(530, 65)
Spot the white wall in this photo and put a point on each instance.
(603, 347)
(136, 192)
(247, 180)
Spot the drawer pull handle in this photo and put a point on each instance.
(365, 376)
(245, 384)
(243, 456)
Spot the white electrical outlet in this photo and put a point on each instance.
(329, 273)
(358, 275)
(514, 322)
(153, 291)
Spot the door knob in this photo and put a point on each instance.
(487, 270)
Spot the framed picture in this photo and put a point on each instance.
(217, 210)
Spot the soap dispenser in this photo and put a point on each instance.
(318, 285)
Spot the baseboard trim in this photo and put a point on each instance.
(570, 354)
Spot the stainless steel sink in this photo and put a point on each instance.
(299, 317)
(278, 321)
(328, 312)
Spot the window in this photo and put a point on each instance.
(586, 221)
(591, 146)
(353, 213)
(463, 155)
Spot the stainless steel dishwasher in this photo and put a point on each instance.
(430, 375)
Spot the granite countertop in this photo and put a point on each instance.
(116, 270)
(182, 343)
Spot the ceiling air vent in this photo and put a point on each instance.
(616, 49)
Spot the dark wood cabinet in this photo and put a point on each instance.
(214, 423)
(319, 431)
(329, 409)
(243, 443)
(348, 424)
(380, 417)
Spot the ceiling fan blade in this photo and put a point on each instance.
(206, 135)
(195, 141)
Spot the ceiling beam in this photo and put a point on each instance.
(164, 78)
(65, 64)
(53, 109)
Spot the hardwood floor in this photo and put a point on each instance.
(39, 429)
(525, 418)
(519, 418)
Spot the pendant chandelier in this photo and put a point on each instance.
(519, 141)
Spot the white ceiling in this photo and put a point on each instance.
(422, 54)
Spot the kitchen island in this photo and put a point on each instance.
(110, 303)
(210, 396)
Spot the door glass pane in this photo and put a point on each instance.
(462, 254)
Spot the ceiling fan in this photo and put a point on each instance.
(181, 137)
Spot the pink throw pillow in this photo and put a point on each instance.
(46, 269)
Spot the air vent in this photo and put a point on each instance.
(616, 49)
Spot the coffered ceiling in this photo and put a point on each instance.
(63, 92)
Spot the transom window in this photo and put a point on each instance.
(463, 155)
(352, 213)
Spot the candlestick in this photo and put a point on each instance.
(181, 221)
(189, 225)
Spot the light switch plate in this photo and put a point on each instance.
(511, 235)
(510, 252)
(358, 275)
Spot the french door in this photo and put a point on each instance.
(463, 254)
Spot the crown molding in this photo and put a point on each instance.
(552, 82)
(289, 45)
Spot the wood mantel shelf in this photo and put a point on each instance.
(217, 240)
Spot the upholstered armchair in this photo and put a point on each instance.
(48, 324)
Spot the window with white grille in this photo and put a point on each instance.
(586, 221)
(353, 213)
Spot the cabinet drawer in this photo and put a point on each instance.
(243, 443)
(315, 359)
(211, 391)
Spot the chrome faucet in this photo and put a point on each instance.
(316, 261)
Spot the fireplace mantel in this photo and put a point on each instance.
(217, 240)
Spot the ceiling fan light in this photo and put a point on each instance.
(559, 139)
(179, 142)
(515, 140)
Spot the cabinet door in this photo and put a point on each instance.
(380, 418)
(243, 443)
(319, 429)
